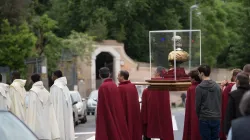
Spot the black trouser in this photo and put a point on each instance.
(146, 138)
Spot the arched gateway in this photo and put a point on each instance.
(107, 53)
(114, 65)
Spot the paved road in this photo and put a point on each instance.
(87, 131)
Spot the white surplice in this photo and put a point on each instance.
(6, 87)
(5, 101)
(17, 96)
(40, 113)
(63, 108)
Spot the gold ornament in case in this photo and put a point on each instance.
(179, 55)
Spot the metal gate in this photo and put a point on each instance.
(68, 67)
(37, 64)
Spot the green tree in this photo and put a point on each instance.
(231, 56)
(240, 52)
(79, 44)
(43, 27)
(98, 30)
(16, 44)
(53, 51)
(126, 21)
(41, 6)
(60, 12)
(47, 44)
(15, 10)
(215, 34)
(141, 16)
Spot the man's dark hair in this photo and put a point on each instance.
(194, 74)
(161, 70)
(35, 78)
(245, 104)
(125, 74)
(1, 77)
(205, 69)
(16, 75)
(58, 73)
(243, 78)
(246, 68)
(104, 72)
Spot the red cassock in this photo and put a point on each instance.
(191, 124)
(225, 94)
(156, 114)
(110, 120)
(131, 106)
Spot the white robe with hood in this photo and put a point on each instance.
(40, 113)
(63, 108)
(5, 101)
(6, 87)
(17, 96)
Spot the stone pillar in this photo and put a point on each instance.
(93, 74)
(44, 73)
(116, 67)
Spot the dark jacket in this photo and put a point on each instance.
(208, 100)
(240, 128)
(233, 111)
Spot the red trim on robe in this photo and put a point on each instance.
(131, 106)
(191, 124)
(224, 103)
(110, 120)
(156, 114)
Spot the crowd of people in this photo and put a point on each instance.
(217, 112)
(47, 114)
(212, 112)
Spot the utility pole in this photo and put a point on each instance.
(190, 33)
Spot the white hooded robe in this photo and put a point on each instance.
(17, 96)
(6, 87)
(63, 108)
(5, 101)
(40, 113)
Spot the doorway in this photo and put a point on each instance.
(104, 59)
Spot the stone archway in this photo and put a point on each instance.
(116, 62)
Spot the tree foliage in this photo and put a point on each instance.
(214, 30)
(16, 44)
(43, 27)
(53, 25)
(14, 10)
(79, 44)
(221, 26)
(32, 33)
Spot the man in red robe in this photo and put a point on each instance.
(191, 124)
(156, 113)
(131, 105)
(110, 120)
(225, 93)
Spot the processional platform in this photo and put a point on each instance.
(166, 85)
